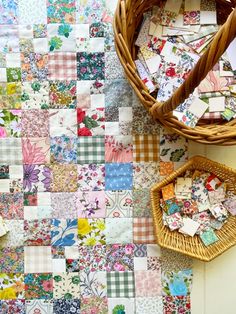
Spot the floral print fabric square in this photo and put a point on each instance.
(61, 12)
(64, 178)
(61, 37)
(9, 12)
(91, 204)
(118, 149)
(63, 149)
(62, 94)
(177, 304)
(37, 232)
(10, 123)
(38, 286)
(177, 283)
(119, 204)
(90, 122)
(37, 178)
(93, 284)
(35, 150)
(147, 283)
(120, 257)
(12, 260)
(91, 66)
(92, 258)
(12, 286)
(66, 286)
(64, 205)
(35, 95)
(91, 231)
(11, 205)
(91, 177)
(64, 232)
(62, 122)
(35, 123)
(34, 66)
(62, 306)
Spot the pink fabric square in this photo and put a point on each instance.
(147, 283)
(91, 204)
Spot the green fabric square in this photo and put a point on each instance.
(13, 74)
(120, 284)
(91, 149)
(209, 237)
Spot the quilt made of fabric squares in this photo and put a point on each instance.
(78, 155)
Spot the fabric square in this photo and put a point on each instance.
(208, 237)
(61, 37)
(93, 284)
(15, 236)
(91, 231)
(64, 205)
(35, 123)
(64, 178)
(91, 177)
(38, 259)
(118, 176)
(119, 305)
(112, 113)
(10, 95)
(58, 252)
(97, 305)
(62, 12)
(143, 123)
(153, 263)
(66, 286)
(12, 260)
(11, 205)
(177, 283)
(64, 232)
(113, 68)
(173, 147)
(191, 17)
(119, 204)
(145, 175)
(34, 305)
(63, 149)
(9, 39)
(141, 203)
(119, 230)
(59, 265)
(9, 12)
(33, 12)
(140, 250)
(166, 168)
(37, 178)
(91, 204)
(90, 122)
(149, 305)
(120, 284)
(34, 66)
(62, 66)
(92, 258)
(91, 149)
(118, 149)
(177, 304)
(13, 306)
(118, 93)
(120, 257)
(143, 231)
(38, 286)
(10, 151)
(62, 122)
(35, 95)
(35, 150)
(13, 74)
(146, 148)
(90, 12)
(168, 192)
(62, 306)
(147, 283)
(62, 94)
(72, 266)
(91, 66)
(12, 286)
(37, 232)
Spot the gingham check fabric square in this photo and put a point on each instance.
(10, 151)
(143, 231)
(38, 259)
(120, 284)
(62, 66)
(146, 148)
(91, 149)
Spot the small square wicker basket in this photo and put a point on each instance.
(193, 246)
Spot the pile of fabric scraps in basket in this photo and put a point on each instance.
(197, 204)
(170, 42)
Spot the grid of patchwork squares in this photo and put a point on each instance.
(76, 163)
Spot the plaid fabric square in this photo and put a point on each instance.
(91, 149)
(62, 66)
(10, 151)
(120, 284)
(146, 148)
(143, 231)
(38, 259)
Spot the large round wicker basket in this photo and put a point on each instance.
(128, 17)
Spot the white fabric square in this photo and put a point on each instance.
(112, 128)
(26, 31)
(40, 45)
(208, 17)
(83, 87)
(44, 198)
(13, 60)
(16, 172)
(82, 31)
(153, 250)
(216, 104)
(32, 12)
(71, 252)
(96, 44)
(5, 185)
(63, 122)
(97, 101)
(120, 229)
(3, 75)
(125, 114)
(68, 43)
(59, 265)
(140, 263)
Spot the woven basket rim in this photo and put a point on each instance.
(125, 15)
(173, 239)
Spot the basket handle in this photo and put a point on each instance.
(219, 44)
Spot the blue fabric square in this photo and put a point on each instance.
(119, 176)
